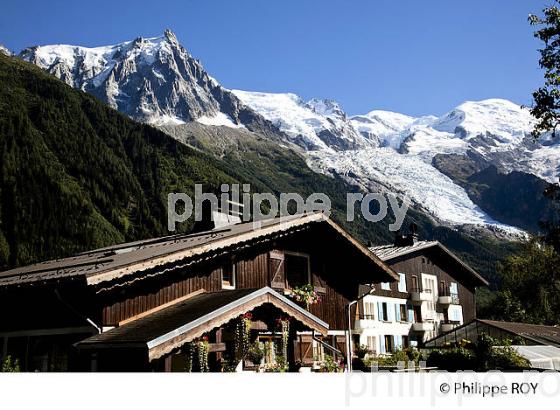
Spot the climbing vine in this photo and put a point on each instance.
(284, 326)
(203, 348)
(242, 336)
(199, 350)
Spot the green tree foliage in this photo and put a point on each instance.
(77, 175)
(547, 98)
(530, 280)
(9, 366)
(487, 353)
(530, 287)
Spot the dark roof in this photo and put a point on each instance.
(112, 262)
(539, 333)
(148, 328)
(390, 252)
(184, 318)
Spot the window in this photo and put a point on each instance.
(269, 345)
(385, 286)
(429, 284)
(389, 343)
(405, 342)
(297, 269)
(228, 276)
(415, 283)
(383, 311)
(403, 313)
(369, 310)
(402, 282)
(454, 293)
(453, 288)
(371, 343)
(455, 314)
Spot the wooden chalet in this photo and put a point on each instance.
(142, 306)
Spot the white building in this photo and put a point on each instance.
(435, 294)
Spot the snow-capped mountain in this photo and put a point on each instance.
(154, 80)
(397, 151)
(5, 51)
(313, 125)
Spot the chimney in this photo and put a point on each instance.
(219, 218)
(409, 239)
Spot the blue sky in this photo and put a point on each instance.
(410, 56)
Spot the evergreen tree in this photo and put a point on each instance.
(547, 98)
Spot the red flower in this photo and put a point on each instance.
(248, 315)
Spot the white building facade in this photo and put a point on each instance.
(421, 305)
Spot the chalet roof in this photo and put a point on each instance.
(537, 334)
(390, 252)
(113, 262)
(164, 330)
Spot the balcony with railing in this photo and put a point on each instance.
(449, 325)
(419, 295)
(424, 326)
(445, 297)
(365, 321)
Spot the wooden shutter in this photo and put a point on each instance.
(277, 270)
(319, 283)
(304, 349)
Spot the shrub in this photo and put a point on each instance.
(487, 353)
(452, 359)
(399, 356)
(329, 365)
(361, 351)
(9, 365)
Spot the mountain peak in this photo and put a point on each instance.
(5, 51)
(326, 107)
(170, 36)
(500, 118)
(150, 79)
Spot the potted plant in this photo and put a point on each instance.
(256, 353)
(306, 295)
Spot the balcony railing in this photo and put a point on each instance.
(426, 326)
(445, 297)
(448, 325)
(420, 290)
(419, 295)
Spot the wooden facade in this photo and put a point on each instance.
(334, 263)
(432, 263)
